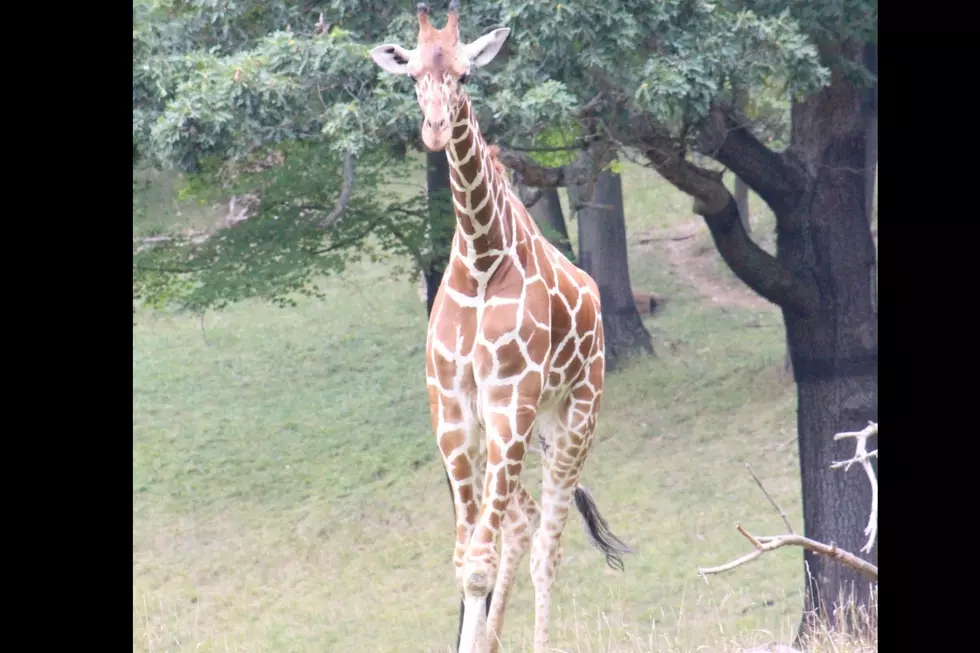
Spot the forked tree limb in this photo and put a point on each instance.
(772, 542)
(757, 268)
(864, 457)
(766, 543)
(727, 138)
(529, 172)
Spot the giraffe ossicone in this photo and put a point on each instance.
(515, 346)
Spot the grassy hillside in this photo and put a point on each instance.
(288, 496)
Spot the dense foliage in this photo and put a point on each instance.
(224, 80)
(281, 249)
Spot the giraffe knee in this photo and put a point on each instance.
(546, 557)
(540, 563)
(479, 574)
(477, 583)
(478, 580)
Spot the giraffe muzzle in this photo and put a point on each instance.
(436, 133)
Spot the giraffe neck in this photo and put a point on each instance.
(483, 222)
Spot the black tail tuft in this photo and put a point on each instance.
(602, 538)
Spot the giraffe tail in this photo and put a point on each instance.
(599, 534)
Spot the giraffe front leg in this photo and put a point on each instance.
(463, 465)
(520, 521)
(458, 437)
(464, 462)
(508, 422)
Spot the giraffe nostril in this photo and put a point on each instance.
(437, 125)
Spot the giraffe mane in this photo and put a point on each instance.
(492, 154)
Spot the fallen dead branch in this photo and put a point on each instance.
(767, 543)
(771, 542)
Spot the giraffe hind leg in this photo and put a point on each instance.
(569, 447)
(559, 491)
(556, 498)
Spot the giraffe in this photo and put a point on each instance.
(514, 348)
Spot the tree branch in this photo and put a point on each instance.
(753, 265)
(530, 173)
(347, 242)
(345, 193)
(578, 145)
(863, 457)
(772, 502)
(727, 139)
(758, 269)
(528, 196)
(771, 543)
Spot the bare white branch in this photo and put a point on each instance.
(863, 456)
(772, 542)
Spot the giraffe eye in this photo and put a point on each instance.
(464, 78)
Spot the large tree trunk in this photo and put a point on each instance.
(822, 278)
(545, 208)
(827, 237)
(603, 254)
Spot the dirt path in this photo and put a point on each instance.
(694, 258)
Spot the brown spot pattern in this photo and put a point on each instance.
(559, 338)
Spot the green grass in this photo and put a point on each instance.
(288, 496)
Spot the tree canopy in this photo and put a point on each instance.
(215, 82)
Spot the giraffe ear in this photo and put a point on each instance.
(482, 51)
(392, 58)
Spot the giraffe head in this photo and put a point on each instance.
(439, 65)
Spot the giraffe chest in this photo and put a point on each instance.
(510, 339)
